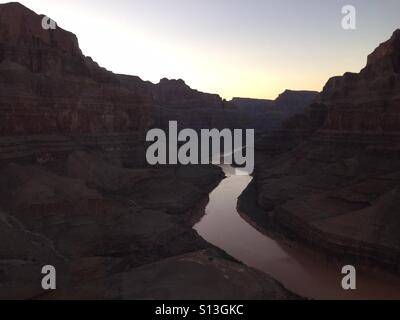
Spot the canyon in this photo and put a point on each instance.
(329, 178)
(76, 191)
(54, 99)
(269, 115)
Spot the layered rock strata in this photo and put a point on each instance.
(337, 189)
(68, 131)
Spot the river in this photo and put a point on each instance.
(295, 268)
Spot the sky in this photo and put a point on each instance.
(235, 48)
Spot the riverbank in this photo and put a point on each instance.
(115, 233)
(313, 248)
(336, 191)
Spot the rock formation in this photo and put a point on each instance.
(67, 128)
(269, 115)
(56, 99)
(336, 189)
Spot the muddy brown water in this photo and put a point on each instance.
(295, 268)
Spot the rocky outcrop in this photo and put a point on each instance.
(269, 115)
(54, 100)
(337, 190)
(367, 102)
(47, 86)
(58, 100)
(176, 101)
(229, 279)
(117, 240)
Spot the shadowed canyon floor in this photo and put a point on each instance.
(113, 232)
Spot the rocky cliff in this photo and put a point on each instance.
(175, 100)
(111, 231)
(368, 101)
(337, 189)
(269, 115)
(57, 99)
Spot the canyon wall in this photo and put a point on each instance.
(269, 115)
(66, 199)
(336, 187)
(53, 99)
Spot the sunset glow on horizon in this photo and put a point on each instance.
(233, 48)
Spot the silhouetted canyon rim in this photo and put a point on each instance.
(253, 49)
